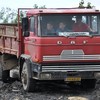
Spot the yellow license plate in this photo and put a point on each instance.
(70, 79)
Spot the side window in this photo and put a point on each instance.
(32, 24)
(94, 23)
(84, 19)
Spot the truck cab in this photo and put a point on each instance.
(72, 56)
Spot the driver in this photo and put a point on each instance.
(62, 28)
(49, 29)
(79, 26)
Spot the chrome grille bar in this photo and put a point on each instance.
(71, 68)
(71, 57)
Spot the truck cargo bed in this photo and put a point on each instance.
(9, 39)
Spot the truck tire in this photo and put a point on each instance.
(88, 83)
(27, 82)
(1, 70)
(4, 74)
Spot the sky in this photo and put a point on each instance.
(15, 4)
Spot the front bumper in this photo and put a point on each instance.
(50, 72)
(63, 75)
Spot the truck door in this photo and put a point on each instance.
(30, 40)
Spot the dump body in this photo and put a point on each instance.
(9, 39)
(10, 45)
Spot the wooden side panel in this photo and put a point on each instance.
(9, 39)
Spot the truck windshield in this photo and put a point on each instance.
(69, 25)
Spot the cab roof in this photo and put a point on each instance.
(61, 11)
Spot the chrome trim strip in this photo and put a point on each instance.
(71, 57)
(77, 54)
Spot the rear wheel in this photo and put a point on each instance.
(88, 83)
(27, 82)
(1, 70)
(4, 74)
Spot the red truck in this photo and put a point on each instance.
(63, 56)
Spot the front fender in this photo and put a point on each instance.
(21, 61)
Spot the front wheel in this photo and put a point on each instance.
(27, 82)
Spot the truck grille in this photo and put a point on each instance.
(68, 55)
(71, 57)
(71, 68)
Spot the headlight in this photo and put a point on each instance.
(45, 76)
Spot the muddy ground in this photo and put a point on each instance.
(14, 91)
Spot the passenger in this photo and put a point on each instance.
(50, 29)
(79, 26)
(62, 28)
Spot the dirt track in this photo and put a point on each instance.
(14, 91)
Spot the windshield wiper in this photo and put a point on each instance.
(83, 35)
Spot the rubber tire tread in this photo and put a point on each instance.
(4, 74)
(31, 82)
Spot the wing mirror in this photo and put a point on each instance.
(25, 26)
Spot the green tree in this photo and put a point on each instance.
(89, 5)
(81, 4)
(37, 7)
(7, 15)
(2, 12)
